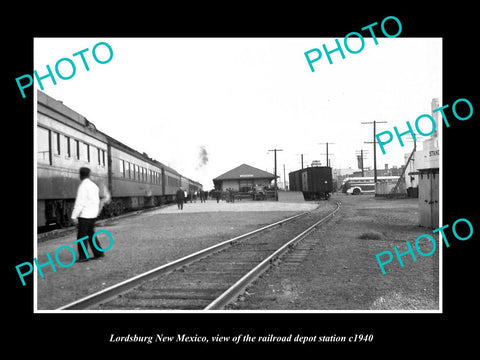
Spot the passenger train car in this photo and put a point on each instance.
(67, 141)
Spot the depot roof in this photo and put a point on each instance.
(245, 171)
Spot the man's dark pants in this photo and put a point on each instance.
(86, 227)
(180, 204)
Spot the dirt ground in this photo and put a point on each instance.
(145, 241)
(342, 272)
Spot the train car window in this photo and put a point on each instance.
(86, 151)
(103, 157)
(56, 143)
(69, 148)
(43, 146)
(77, 149)
(121, 167)
(128, 169)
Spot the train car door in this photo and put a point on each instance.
(305, 181)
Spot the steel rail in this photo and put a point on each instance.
(124, 286)
(239, 287)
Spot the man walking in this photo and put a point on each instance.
(85, 211)
(180, 198)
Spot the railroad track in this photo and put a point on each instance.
(212, 278)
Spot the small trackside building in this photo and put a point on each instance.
(427, 163)
(243, 178)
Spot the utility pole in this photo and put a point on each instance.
(361, 157)
(374, 146)
(328, 162)
(301, 158)
(275, 180)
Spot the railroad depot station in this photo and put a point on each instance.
(243, 178)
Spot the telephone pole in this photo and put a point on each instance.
(275, 159)
(327, 163)
(301, 158)
(374, 142)
(361, 157)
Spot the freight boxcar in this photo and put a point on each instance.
(315, 182)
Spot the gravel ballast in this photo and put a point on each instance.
(148, 240)
(342, 273)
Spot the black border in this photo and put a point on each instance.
(399, 332)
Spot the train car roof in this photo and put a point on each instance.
(55, 109)
(309, 168)
(143, 156)
(60, 112)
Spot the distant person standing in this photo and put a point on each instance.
(85, 212)
(180, 198)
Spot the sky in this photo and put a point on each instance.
(207, 105)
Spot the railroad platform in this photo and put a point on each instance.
(291, 196)
(239, 206)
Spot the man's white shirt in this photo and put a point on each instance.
(87, 202)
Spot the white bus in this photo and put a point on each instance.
(364, 185)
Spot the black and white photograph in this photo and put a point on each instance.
(289, 203)
(235, 189)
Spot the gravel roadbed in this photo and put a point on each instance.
(341, 271)
(146, 241)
